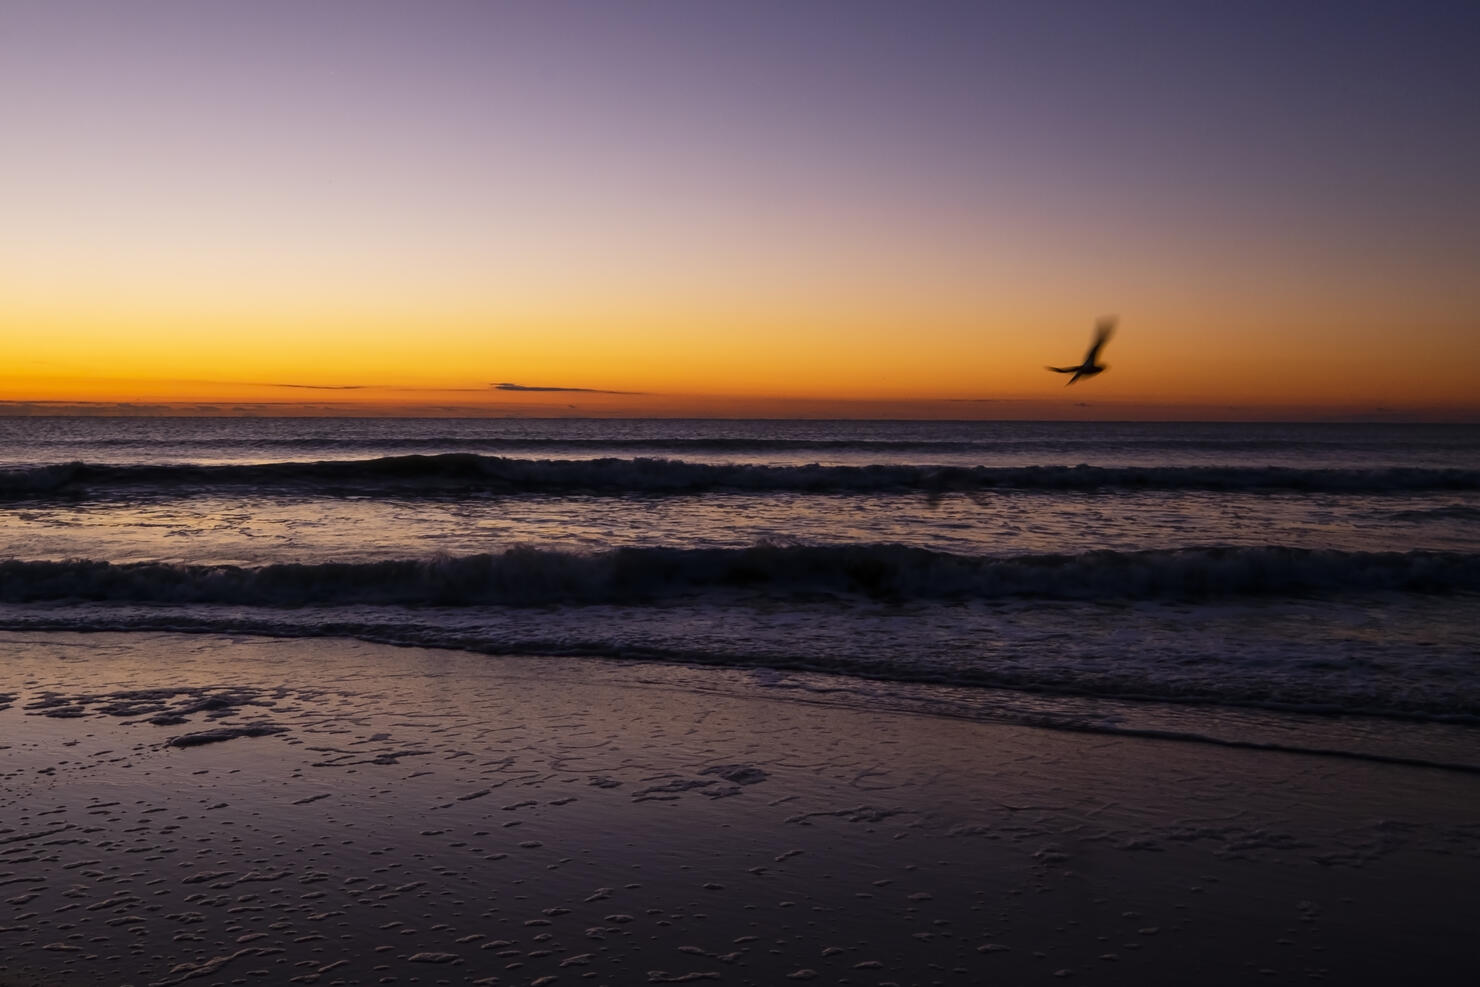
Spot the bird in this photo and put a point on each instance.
(1089, 367)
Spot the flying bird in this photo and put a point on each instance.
(1089, 367)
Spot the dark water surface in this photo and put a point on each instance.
(1186, 577)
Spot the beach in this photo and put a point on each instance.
(212, 809)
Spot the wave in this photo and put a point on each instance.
(665, 443)
(624, 437)
(463, 474)
(1449, 512)
(539, 577)
(824, 655)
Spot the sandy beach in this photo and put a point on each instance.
(200, 809)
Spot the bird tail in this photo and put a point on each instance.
(1062, 370)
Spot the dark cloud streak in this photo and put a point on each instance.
(564, 390)
(323, 387)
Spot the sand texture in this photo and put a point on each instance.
(201, 810)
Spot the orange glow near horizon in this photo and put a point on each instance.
(942, 360)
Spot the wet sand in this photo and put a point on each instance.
(204, 810)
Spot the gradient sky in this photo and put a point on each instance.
(852, 207)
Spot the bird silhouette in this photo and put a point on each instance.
(1089, 367)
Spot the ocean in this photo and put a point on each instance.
(1286, 586)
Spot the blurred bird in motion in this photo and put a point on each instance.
(1089, 367)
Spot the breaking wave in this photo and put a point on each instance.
(1449, 512)
(467, 474)
(538, 577)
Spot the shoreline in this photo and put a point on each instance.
(1379, 736)
(520, 819)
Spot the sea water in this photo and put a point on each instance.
(1310, 586)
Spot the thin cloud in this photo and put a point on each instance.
(323, 387)
(377, 387)
(565, 390)
(374, 387)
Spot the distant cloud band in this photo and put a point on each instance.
(324, 387)
(565, 390)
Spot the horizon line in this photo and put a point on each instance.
(1394, 418)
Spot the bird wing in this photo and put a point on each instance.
(1103, 330)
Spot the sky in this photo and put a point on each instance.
(861, 208)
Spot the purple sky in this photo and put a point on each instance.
(1088, 155)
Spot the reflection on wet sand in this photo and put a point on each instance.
(177, 808)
